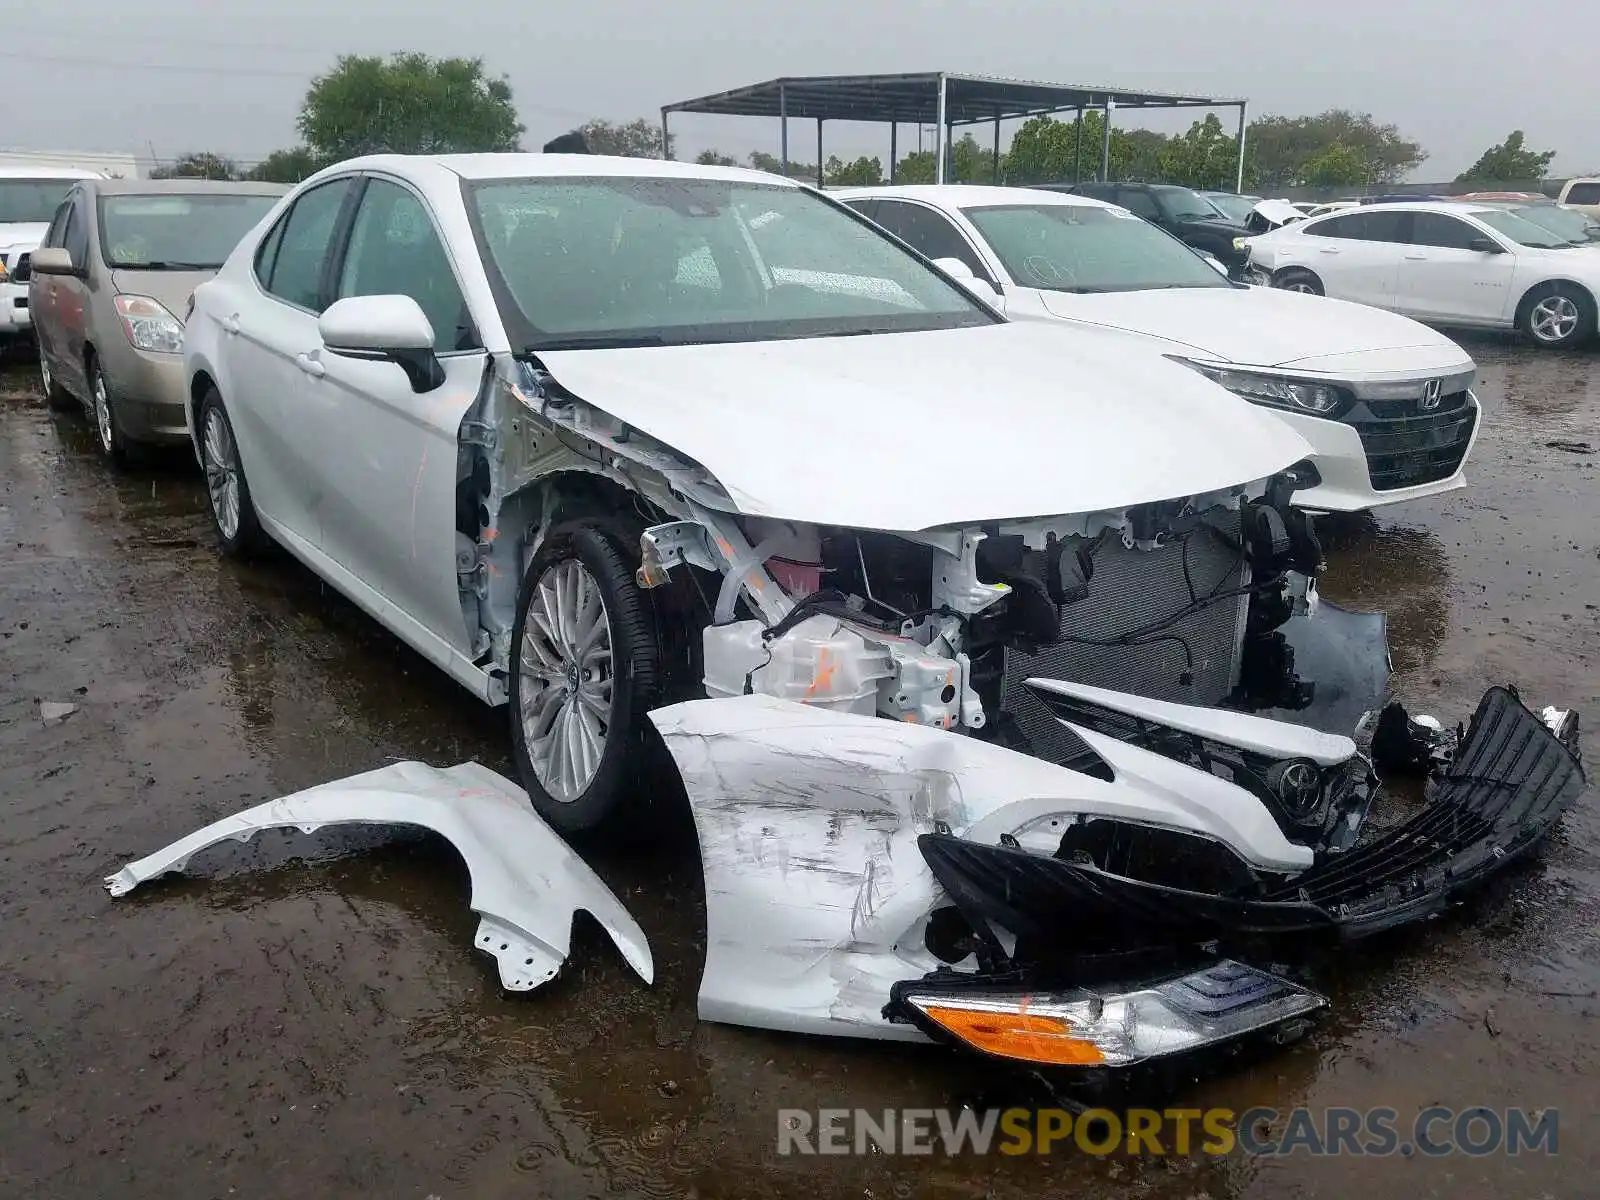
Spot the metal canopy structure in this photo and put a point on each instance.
(939, 98)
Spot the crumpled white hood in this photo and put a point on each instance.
(1264, 327)
(918, 430)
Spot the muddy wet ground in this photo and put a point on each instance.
(307, 1016)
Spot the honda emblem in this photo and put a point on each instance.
(1430, 396)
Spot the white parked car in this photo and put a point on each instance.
(1448, 263)
(29, 197)
(932, 611)
(1385, 402)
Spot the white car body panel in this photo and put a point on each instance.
(20, 237)
(813, 447)
(815, 888)
(1431, 283)
(526, 882)
(1312, 336)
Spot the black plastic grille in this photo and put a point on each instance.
(1406, 446)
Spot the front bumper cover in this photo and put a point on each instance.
(1507, 786)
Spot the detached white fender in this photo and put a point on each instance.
(526, 882)
(808, 819)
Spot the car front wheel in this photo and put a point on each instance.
(113, 446)
(1298, 279)
(584, 667)
(1558, 315)
(238, 531)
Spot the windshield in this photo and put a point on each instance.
(612, 261)
(31, 200)
(1562, 222)
(1183, 204)
(1086, 248)
(176, 231)
(1523, 232)
(1235, 208)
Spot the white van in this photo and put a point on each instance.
(29, 197)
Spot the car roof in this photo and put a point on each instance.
(1456, 207)
(185, 187)
(45, 171)
(967, 195)
(547, 166)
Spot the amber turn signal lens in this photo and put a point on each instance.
(1022, 1035)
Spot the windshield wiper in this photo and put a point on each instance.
(595, 341)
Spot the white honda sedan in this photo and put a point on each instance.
(1386, 402)
(1448, 263)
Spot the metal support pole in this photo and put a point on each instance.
(819, 152)
(783, 130)
(1105, 144)
(997, 145)
(666, 138)
(942, 150)
(1238, 182)
(894, 130)
(950, 150)
(1077, 150)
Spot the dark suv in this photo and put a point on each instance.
(1182, 212)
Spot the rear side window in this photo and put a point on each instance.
(1386, 226)
(291, 260)
(1583, 193)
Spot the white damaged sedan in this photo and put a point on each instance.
(970, 640)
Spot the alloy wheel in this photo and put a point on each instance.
(44, 374)
(1554, 319)
(222, 472)
(102, 414)
(1301, 286)
(565, 694)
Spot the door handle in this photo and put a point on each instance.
(1326, 250)
(1416, 258)
(230, 324)
(310, 366)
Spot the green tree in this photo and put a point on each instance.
(969, 163)
(200, 164)
(639, 138)
(1278, 149)
(715, 158)
(1337, 165)
(1045, 150)
(407, 104)
(863, 172)
(1510, 161)
(285, 166)
(770, 163)
(1204, 157)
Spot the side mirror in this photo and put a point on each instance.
(384, 328)
(963, 274)
(1485, 245)
(52, 260)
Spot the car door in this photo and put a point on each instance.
(42, 294)
(270, 332)
(1443, 278)
(1141, 204)
(384, 455)
(68, 299)
(1356, 255)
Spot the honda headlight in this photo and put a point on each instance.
(149, 325)
(1276, 391)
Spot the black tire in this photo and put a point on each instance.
(1556, 316)
(615, 786)
(239, 533)
(114, 446)
(1298, 279)
(56, 397)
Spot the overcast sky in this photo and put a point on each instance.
(229, 75)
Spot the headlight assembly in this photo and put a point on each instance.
(1277, 391)
(149, 325)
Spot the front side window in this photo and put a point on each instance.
(175, 231)
(1085, 248)
(75, 234)
(1445, 232)
(928, 232)
(612, 260)
(31, 201)
(395, 251)
(299, 246)
(1138, 201)
(56, 234)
